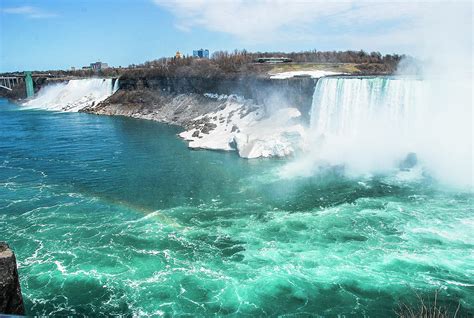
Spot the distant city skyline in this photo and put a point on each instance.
(54, 34)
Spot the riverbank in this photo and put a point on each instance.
(255, 116)
(221, 113)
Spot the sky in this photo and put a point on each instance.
(60, 34)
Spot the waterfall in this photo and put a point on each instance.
(116, 85)
(371, 125)
(72, 95)
(364, 124)
(348, 106)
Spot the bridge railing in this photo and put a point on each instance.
(8, 82)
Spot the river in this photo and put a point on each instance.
(112, 215)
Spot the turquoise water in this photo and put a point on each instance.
(111, 215)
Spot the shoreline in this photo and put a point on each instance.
(222, 123)
(257, 117)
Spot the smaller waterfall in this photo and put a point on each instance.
(73, 95)
(116, 85)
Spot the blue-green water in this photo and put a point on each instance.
(110, 215)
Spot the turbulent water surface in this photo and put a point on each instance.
(116, 216)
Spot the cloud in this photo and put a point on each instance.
(257, 19)
(29, 11)
(368, 24)
(247, 20)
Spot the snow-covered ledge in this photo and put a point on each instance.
(312, 74)
(243, 126)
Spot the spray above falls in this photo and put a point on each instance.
(367, 124)
(372, 124)
(73, 95)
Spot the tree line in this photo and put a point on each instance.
(239, 62)
(242, 61)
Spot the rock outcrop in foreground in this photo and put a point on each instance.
(11, 300)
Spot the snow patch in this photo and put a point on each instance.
(243, 126)
(313, 74)
(276, 136)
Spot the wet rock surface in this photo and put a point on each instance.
(11, 300)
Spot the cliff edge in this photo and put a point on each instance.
(11, 300)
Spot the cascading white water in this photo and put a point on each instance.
(370, 125)
(73, 95)
(364, 124)
(346, 107)
(116, 86)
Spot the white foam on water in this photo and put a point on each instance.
(60, 267)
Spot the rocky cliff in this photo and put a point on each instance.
(292, 92)
(146, 95)
(221, 113)
(11, 300)
(157, 105)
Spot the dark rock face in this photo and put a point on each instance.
(409, 162)
(208, 127)
(11, 300)
(272, 93)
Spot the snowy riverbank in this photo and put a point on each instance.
(245, 127)
(210, 121)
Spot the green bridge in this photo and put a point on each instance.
(9, 82)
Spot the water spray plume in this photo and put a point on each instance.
(369, 125)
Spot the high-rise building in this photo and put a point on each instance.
(201, 53)
(97, 66)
